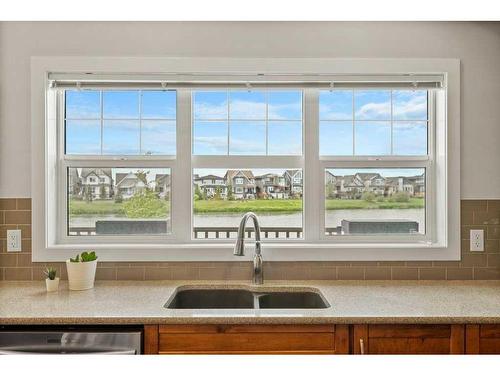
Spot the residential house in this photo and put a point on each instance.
(129, 184)
(162, 185)
(210, 184)
(271, 185)
(372, 182)
(293, 180)
(242, 183)
(98, 182)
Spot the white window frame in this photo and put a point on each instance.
(444, 244)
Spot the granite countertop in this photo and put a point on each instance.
(141, 302)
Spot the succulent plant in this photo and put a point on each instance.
(50, 273)
(84, 257)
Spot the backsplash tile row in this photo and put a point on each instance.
(475, 214)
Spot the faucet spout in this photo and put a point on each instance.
(239, 247)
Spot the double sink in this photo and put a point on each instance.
(190, 297)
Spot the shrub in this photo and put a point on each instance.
(400, 196)
(145, 204)
(368, 196)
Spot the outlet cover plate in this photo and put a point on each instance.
(477, 240)
(14, 240)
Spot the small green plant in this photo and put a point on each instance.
(84, 257)
(50, 273)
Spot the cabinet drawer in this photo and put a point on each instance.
(483, 339)
(408, 339)
(250, 339)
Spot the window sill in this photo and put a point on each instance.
(271, 252)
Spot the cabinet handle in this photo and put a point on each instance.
(361, 346)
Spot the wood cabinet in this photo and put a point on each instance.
(247, 339)
(408, 339)
(482, 339)
(323, 339)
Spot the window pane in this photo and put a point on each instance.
(335, 138)
(158, 105)
(247, 138)
(83, 104)
(121, 104)
(335, 105)
(244, 105)
(409, 105)
(223, 196)
(410, 138)
(285, 105)
(285, 138)
(120, 137)
(372, 104)
(157, 137)
(372, 138)
(210, 105)
(118, 201)
(368, 201)
(83, 137)
(210, 138)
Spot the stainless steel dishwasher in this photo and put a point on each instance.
(70, 340)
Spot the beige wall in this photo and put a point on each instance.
(476, 44)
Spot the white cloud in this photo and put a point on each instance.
(374, 111)
(415, 107)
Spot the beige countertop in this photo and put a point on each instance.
(142, 302)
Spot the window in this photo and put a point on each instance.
(106, 198)
(377, 198)
(161, 166)
(255, 123)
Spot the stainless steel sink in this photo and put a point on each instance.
(292, 300)
(204, 298)
(212, 299)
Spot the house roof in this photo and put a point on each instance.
(209, 177)
(232, 173)
(292, 172)
(162, 178)
(96, 171)
(129, 179)
(368, 176)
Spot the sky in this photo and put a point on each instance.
(359, 122)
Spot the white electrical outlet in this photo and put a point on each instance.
(14, 240)
(477, 240)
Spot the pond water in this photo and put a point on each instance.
(333, 218)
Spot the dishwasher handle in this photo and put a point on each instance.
(73, 351)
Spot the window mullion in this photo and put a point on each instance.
(181, 199)
(313, 190)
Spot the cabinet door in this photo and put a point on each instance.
(482, 339)
(253, 339)
(408, 339)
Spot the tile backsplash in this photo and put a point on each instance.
(475, 214)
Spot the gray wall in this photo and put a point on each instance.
(476, 44)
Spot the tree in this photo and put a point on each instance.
(230, 195)
(218, 193)
(118, 197)
(102, 192)
(88, 194)
(330, 190)
(197, 192)
(145, 204)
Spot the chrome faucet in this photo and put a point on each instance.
(239, 248)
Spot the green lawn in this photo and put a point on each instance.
(215, 206)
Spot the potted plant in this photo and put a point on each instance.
(51, 282)
(81, 271)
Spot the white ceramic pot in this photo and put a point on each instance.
(52, 285)
(81, 275)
